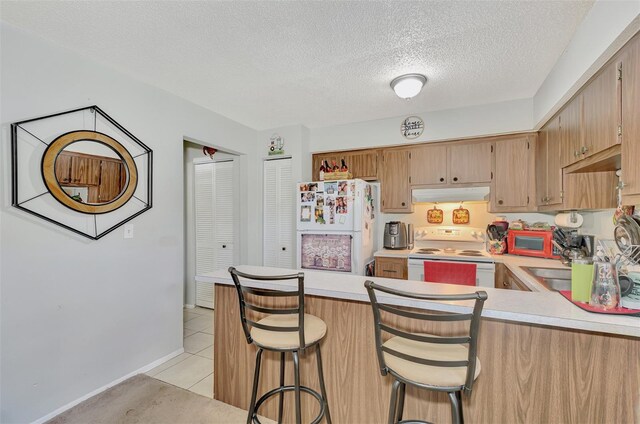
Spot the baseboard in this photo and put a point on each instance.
(186, 305)
(144, 369)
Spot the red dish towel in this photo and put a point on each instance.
(450, 273)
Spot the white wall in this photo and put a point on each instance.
(604, 30)
(78, 314)
(504, 117)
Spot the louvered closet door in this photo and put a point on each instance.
(224, 215)
(205, 250)
(279, 209)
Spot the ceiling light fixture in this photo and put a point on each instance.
(409, 85)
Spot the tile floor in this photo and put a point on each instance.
(193, 369)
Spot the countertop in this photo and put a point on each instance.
(540, 308)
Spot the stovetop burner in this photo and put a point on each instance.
(470, 254)
(428, 250)
(468, 251)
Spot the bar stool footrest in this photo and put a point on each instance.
(318, 396)
(413, 422)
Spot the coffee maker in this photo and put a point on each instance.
(397, 235)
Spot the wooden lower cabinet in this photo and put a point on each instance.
(530, 373)
(392, 267)
(505, 279)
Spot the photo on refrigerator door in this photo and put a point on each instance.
(305, 214)
(330, 252)
(320, 216)
(341, 205)
(331, 188)
(342, 188)
(308, 197)
(319, 200)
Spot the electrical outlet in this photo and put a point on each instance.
(128, 231)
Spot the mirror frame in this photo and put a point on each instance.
(53, 185)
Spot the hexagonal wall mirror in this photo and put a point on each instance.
(80, 170)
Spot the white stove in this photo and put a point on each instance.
(455, 245)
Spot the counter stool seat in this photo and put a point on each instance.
(428, 374)
(314, 330)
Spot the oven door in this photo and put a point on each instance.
(485, 271)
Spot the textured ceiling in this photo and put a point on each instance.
(267, 64)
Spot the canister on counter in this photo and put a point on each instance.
(581, 279)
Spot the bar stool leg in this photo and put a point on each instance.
(296, 373)
(456, 408)
(254, 391)
(401, 402)
(322, 388)
(394, 401)
(281, 406)
(459, 396)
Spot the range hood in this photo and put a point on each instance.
(455, 194)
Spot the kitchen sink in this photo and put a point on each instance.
(552, 278)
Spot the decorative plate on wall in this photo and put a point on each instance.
(412, 127)
(80, 170)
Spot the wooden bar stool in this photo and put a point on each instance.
(285, 330)
(423, 360)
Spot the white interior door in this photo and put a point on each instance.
(279, 221)
(215, 222)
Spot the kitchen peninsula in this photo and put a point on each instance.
(543, 359)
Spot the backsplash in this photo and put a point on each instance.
(598, 223)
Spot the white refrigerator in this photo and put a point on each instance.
(336, 225)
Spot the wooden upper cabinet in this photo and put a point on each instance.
(470, 163)
(85, 170)
(541, 163)
(548, 166)
(63, 167)
(631, 122)
(514, 174)
(109, 187)
(362, 164)
(601, 111)
(428, 165)
(395, 190)
(571, 131)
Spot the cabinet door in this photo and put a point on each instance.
(511, 185)
(470, 163)
(554, 149)
(428, 165)
(601, 112)
(631, 122)
(109, 187)
(571, 133)
(396, 193)
(362, 164)
(224, 215)
(392, 268)
(541, 164)
(85, 170)
(279, 210)
(63, 168)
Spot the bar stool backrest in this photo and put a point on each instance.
(471, 338)
(245, 304)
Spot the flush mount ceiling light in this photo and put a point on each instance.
(409, 85)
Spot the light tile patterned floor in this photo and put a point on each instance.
(193, 369)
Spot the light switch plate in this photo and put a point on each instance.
(128, 231)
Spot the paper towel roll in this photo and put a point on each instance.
(564, 220)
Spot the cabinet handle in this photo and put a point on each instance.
(500, 202)
(390, 270)
(575, 153)
(403, 203)
(284, 248)
(455, 178)
(505, 284)
(441, 180)
(584, 149)
(224, 246)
